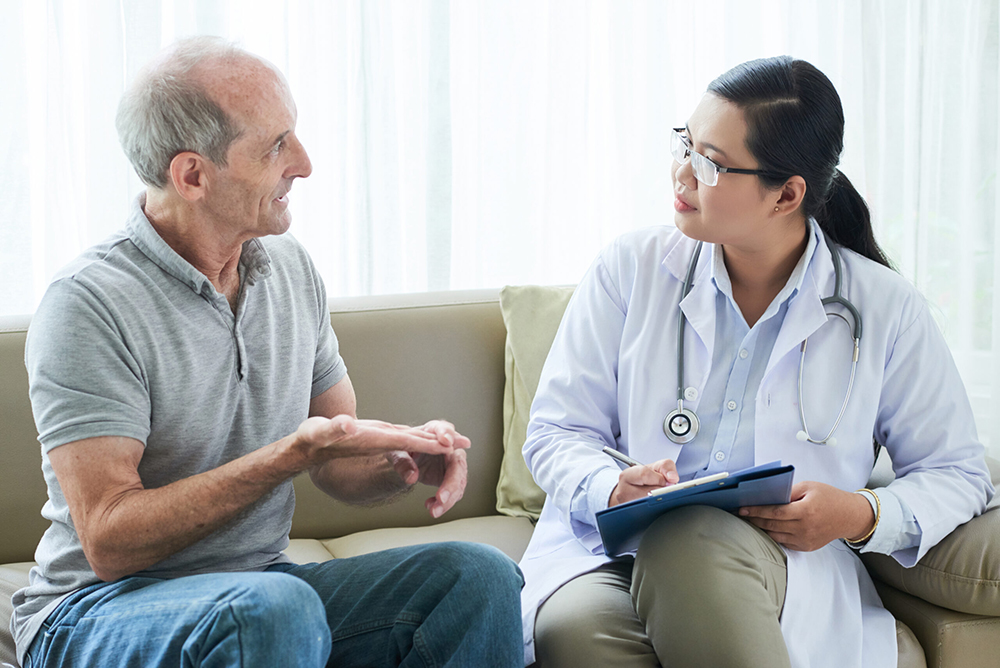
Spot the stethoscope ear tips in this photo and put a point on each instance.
(802, 436)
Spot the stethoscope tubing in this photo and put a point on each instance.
(837, 298)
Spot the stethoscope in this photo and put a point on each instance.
(681, 425)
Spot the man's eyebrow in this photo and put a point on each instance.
(707, 145)
(279, 138)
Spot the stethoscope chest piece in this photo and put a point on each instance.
(681, 425)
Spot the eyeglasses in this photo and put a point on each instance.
(705, 170)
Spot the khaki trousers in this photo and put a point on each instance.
(705, 589)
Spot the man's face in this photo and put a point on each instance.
(249, 196)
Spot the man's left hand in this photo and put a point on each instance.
(817, 514)
(449, 473)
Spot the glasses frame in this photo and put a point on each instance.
(678, 140)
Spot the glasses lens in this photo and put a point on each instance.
(704, 169)
(678, 148)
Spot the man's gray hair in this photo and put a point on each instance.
(167, 111)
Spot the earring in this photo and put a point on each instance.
(775, 208)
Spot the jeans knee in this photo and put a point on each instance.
(474, 561)
(475, 574)
(283, 605)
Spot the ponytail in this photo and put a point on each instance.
(845, 218)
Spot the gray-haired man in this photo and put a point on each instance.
(181, 374)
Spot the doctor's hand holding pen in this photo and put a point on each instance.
(638, 480)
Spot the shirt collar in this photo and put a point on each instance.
(255, 263)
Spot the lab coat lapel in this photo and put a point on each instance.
(805, 313)
(698, 308)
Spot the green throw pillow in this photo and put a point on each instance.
(532, 315)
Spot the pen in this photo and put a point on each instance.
(624, 459)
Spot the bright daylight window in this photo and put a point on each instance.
(468, 144)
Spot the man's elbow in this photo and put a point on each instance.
(108, 561)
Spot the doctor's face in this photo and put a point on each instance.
(734, 210)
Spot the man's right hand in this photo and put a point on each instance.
(321, 439)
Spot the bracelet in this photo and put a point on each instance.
(878, 515)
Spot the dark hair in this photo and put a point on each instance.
(795, 126)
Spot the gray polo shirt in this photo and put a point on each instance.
(131, 340)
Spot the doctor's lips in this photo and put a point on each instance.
(681, 206)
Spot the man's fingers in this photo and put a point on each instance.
(446, 433)
(404, 465)
(452, 486)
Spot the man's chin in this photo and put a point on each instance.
(278, 225)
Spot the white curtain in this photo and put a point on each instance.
(476, 143)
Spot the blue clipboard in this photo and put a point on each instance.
(622, 526)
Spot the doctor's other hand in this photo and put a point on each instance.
(817, 514)
(636, 482)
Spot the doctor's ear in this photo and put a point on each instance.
(790, 195)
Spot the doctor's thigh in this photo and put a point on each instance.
(707, 586)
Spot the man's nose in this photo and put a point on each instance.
(301, 165)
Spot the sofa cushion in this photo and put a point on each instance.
(508, 534)
(962, 572)
(532, 315)
(948, 638)
(306, 551)
(12, 578)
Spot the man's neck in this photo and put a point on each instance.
(202, 244)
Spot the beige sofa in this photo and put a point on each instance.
(416, 357)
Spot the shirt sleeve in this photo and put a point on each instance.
(84, 381)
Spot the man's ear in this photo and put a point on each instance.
(790, 195)
(188, 175)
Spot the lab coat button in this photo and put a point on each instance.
(719, 456)
(691, 393)
(743, 354)
(731, 405)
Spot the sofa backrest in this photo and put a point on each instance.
(411, 358)
(22, 489)
(414, 358)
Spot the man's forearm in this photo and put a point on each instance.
(134, 528)
(359, 480)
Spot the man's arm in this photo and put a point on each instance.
(125, 528)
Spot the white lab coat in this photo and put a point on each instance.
(611, 377)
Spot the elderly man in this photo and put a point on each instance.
(181, 374)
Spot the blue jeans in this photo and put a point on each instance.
(442, 604)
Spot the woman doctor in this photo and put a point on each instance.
(763, 218)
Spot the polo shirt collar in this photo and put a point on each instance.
(255, 263)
